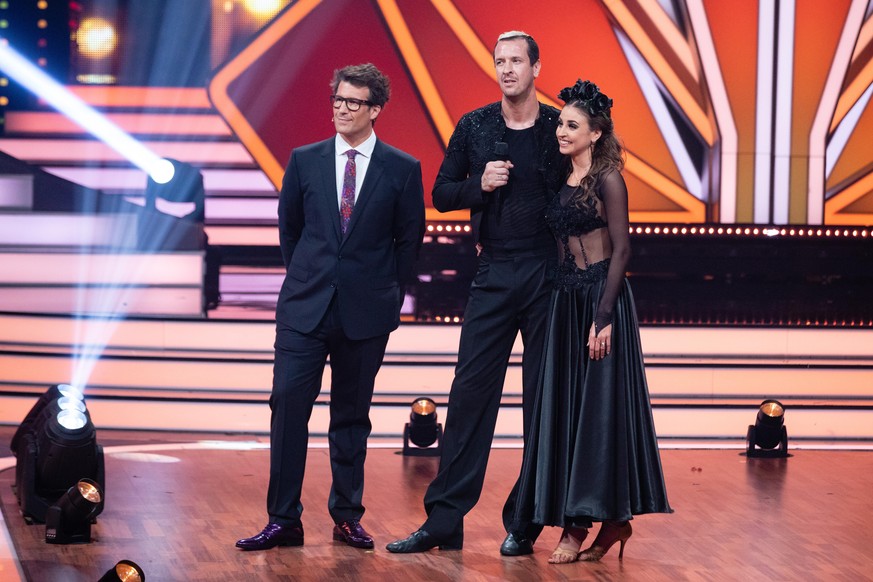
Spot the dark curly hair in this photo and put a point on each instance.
(366, 75)
(607, 153)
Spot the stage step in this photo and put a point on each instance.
(133, 263)
(28, 230)
(160, 284)
(215, 375)
(16, 191)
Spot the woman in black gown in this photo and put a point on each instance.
(592, 454)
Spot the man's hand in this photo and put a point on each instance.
(496, 175)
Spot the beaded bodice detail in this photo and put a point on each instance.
(578, 223)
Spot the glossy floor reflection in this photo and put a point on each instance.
(176, 503)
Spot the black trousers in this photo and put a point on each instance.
(297, 372)
(510, 293)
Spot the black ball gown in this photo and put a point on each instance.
(591, 453)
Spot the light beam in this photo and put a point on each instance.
(40, 84)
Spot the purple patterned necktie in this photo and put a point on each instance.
(348, 197)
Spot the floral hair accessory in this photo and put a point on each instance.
(588, 95)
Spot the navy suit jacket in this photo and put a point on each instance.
(368, 267)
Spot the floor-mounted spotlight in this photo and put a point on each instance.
(53, 394)
(55, 448)
(422, 430)
(68, 521)
(768, 436)
(124, 571)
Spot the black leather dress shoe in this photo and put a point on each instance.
(516, 544)
(273, 535)
(421, 541)
(352, 533)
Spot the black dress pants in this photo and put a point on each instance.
(510, 293)
(297, 373)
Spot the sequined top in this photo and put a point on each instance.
(590, 226)
(459, 182)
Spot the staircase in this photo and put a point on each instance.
(215, 376)
(86, 262)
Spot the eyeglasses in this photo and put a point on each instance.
(352, 104)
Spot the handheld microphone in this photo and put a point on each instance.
(501, 154)
(501, 151)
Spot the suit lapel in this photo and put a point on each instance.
(327, 169)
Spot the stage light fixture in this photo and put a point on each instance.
(124, 571)
(172, 219)
(70, 403)
(69, 520)
(768, 437)
(173, 214)
(422, 430)
(55, 448)
(178, 183)
(53, 394)
(67, 452)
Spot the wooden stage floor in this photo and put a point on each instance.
(175, 504)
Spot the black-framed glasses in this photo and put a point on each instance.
(351, 103)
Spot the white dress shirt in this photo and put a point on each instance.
(362, 162)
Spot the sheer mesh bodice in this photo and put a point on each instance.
(591, 227)
(584, 250)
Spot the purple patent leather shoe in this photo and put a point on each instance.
(273, 535)
(352, 533)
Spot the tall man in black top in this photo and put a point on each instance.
(501, 163)
(351, 221)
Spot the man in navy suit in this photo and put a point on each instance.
(351, 222)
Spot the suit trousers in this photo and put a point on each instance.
(509, 294)
(297, 372)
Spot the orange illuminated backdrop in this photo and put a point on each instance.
(731, 112)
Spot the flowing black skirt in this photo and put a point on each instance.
(591, 453)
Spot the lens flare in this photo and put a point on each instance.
(262, 8)
(96, 38)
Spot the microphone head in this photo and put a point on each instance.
(501, 151)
